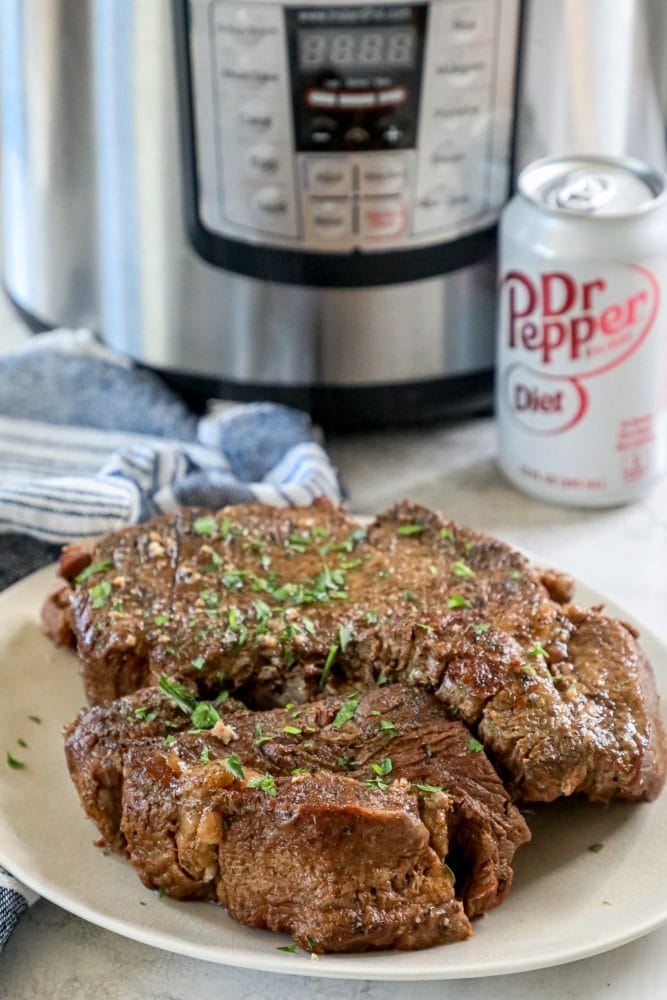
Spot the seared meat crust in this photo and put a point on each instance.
(349, 852)
(285, 605)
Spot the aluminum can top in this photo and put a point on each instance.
(593, 186)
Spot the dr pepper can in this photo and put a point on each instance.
(581, 382)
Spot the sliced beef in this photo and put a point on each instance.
(387, 756)
(282, 605)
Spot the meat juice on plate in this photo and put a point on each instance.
(581, 391)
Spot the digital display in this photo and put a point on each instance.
(357, 49)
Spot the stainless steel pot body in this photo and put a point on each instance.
(96, 198)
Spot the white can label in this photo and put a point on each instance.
(580, 380)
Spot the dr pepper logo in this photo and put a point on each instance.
(558, 330)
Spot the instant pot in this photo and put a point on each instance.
(298, 201)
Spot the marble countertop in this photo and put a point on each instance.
(622, 552)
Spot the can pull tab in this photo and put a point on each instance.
(585, 192)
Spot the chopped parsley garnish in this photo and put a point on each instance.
(17, 765)
(475, 745)
(171, 738)
(308, 625)
(596, 848)
(538, 650)
(346, 711)
(233, 579)
(198, 662)
(291, 948)
(433, 570)
(22, 743)
(428, 789)
(344, 636)
(292, 730)
(384, 767)
(184, 698)
(142, 714)
(447, 533)
(409, 529)
(210, 598)
(265, 782)
(161, 619)
(457, 601)
(408, 595)
(204, 525)
(462, 569)
(371, 617)
(215, 563)
(299, 770)
(516, 575)
(222, 697)
(98, 567)
(205, 716)
(326, 669)
(382, 679)
(380, 771)
(311, 942)
(376, 783)
(235, 767)
(36, 719)
(527, 669)
(262, 611)
(203, 756)
(345, 761)
(100, 594)
(480, 629)
(261, 736)
(388, 727)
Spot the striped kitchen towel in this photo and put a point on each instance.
(89, 443)
(15, 898)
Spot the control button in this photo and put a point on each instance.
(440, 206)
(270, 203)
(320, 131)
(432, 201)
(330, 219)
(465, 67)
(446, 156)
(243, 25)
(383, 174)
(329, 176)
(392, 130)
(462, 115)
(254, 119)
(321, 99)
(356, 136)
(467, 22)
(365, 99)
(397, 95)
(263, 160)
(247, 76)
(383, 217)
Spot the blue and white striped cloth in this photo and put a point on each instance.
(89, 444)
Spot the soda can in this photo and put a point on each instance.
(581, 380)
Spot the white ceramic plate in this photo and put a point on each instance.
(567, 902)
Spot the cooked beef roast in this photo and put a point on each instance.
(283, 605)
(364, 805)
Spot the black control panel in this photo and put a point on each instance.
(356, 76)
